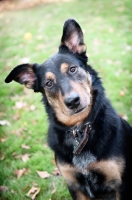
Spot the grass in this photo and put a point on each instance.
(32, 35)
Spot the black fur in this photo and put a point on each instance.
(111, 139)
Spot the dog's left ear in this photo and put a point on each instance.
(73, 37)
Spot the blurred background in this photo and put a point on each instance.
(30, 31)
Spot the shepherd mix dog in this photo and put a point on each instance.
(92, 144)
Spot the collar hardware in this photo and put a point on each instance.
(81, 136)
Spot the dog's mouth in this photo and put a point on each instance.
(79, 110)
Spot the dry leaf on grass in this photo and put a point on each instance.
(33, 192)
(122, 93)
(24, 146)
(125, 117)
(2, 114)
(32, 108)
(3, 188)
(43, 174)
(2, 157)
(54, 188)
(4, 122)
(21, 172)
(20, 104)
(24, 157)
(27, 36)
(56, 172)
(3, 139)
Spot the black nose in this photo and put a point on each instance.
(72, 101)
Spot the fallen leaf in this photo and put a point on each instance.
(27, 36)
(43, 174)
(4, 122)
(3, 188)
(17, 132)
(56, 172)
(45, 145)
(3, 139)
(25, 60)
(54, 188)
(40, 46)
(128, 48)
(125, 117)
(24, 146)
(14, 154)
(122, 93)
(24, 157)
(53, 162)
(2, 157)
(20, 172)
(2, 114)
(109, 61)
(12, 191)
(16, 117)
(35, 184)
(32, 108)
(20, 104)
(33, 192)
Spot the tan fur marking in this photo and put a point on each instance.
(50, 76)
(112, 169)
(81, 196)
(64, 67)
(68, 172)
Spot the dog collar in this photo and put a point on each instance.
(81, 136)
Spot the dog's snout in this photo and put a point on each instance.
(72, 101)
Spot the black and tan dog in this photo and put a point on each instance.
(92, 144)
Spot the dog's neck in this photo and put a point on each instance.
(81, 133)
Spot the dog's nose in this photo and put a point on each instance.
(72, 101)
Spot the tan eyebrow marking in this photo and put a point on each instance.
(64, 67)
(50, 76)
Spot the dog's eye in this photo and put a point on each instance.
(73, 69)
(49, 83)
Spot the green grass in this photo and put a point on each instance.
(107, 27)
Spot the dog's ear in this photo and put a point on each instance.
(24, 74)
(72, 37)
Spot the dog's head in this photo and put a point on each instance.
(64, 79)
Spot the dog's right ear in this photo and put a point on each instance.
(24, 74)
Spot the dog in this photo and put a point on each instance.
(91, 142)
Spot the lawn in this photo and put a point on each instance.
(32, 35)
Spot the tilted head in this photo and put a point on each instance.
(64, 79)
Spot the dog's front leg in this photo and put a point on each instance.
(76, 194)
(97, 188)
(71, 174)
(103, 179)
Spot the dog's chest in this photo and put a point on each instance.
(82, 161)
